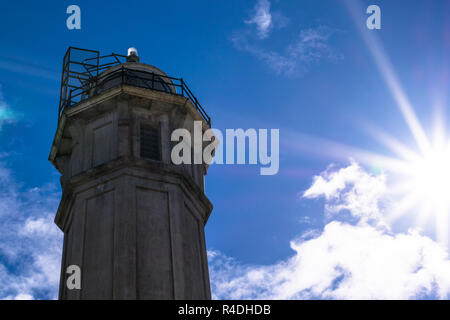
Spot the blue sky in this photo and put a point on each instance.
(303, 67)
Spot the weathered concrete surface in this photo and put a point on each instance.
(135, 227)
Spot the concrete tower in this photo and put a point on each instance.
(133, 222)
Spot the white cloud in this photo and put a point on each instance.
(351, 189)
(311, 46)
(23, 297)
(30, 243)
(262, 18)
(363, 260)
(43, 227)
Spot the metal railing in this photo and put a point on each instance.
(78, 86)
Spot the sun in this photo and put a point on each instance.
(430, 176)
(419, 179)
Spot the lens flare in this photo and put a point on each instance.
(422, 177)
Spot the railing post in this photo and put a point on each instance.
(182, 86)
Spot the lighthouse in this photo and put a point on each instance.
(133, 221)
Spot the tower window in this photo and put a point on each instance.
(150, 147)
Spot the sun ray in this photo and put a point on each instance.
(387, 71)
(419, 180)
(425, 176)
(402, 207)
(423, 214)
